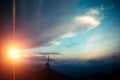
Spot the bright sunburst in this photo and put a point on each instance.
(14, 53)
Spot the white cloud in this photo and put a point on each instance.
(93, 12)
(67, 35)
(54, 43)
(80, 23)
(86, 20)
(90, 20)
(84, 23)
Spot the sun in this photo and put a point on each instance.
(14, 53)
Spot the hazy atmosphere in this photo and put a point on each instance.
(81, 36)
(82, 29)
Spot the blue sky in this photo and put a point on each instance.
(77, 29)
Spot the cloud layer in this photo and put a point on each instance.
(42, 26)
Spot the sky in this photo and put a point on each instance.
(82, 29)
(73, 29)
(81, 36)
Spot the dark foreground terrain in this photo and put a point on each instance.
(48, 73)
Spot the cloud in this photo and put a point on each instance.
(42, 25)
(67, 35)
(51, 53)
(113, 58)
(93, 12)
(84, 24)
(54, 43)
(91, 19)
(82, 21)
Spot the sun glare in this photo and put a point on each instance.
(14, 53)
